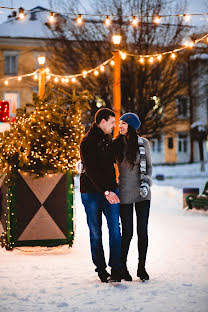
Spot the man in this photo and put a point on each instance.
(99, 193)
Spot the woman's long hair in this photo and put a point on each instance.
(130, 146)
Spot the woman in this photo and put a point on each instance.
(133, 158)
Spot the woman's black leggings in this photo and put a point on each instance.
(142, 214)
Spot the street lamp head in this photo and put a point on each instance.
(116, 39)
(41, 60)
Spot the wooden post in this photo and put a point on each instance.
(117, 89)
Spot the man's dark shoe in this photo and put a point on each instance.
(125, 274)
(115, 275)
(142, 273)
(104, 276)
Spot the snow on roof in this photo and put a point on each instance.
(33, 26)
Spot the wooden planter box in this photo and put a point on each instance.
(37, 212)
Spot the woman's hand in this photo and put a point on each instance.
(112, 198)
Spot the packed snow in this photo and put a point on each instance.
(63, 279)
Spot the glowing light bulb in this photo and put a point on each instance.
(123, 55)
(157, 19)
(35, 77)
(6, 82)
(51, 18)
(21, 14)
(19, 78)
(102, 68)
(96, 73)
(48, 77)
(141, 60)
(84, 73)
(107, 21)
(187, 17)
(56, 79)
(173, 56)
(112, 62)
(159, 57)
(134, 21)
(79, 20)
(73, 79)
(151, 60)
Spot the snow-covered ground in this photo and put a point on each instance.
(63, 279)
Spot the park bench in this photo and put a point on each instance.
(198, 201)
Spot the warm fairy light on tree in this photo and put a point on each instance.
(159, 57)
(112, 62)
(56, 79)
(84, 73)
(107, 21)
(73, 79)
(35, 77)
(189, 44)
(96, 72)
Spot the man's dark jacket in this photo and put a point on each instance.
(96, 155)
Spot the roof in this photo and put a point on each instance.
(33, 26)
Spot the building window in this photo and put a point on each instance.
(170, 143)
(182, 107)
(183, 143)
(156, 145)
(182, 72)
(10, 62)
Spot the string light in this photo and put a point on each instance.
(19, 78)
(35, 77)
(84, 73)
(96, 73)
(141, 60)
(6, 82)
(159, 57)
(73, 79)
(48, 77)
(173, 56)
(189, 44)
(157, 19)
(112, 62)
(134, 21)
(151, 60)
(107, 21)
(102, 68)
(51, 18)
(21, 14)
(79, 19)
(56, 79)
(123, 55)
(187, 17)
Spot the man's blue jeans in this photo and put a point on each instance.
(95, 204)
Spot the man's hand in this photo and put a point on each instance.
(112, 198)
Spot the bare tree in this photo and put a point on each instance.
(147, 89)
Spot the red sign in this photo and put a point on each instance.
(4, 111)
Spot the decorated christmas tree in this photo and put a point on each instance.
(48, 139)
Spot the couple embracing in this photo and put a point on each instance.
(101, 195)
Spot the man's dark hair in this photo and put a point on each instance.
(103, 113)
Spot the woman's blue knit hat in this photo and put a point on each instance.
(132, 120)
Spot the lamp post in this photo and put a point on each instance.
(41, 82)
(117, 82)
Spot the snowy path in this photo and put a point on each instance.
(63, 279)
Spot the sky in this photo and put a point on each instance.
(196, 6)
